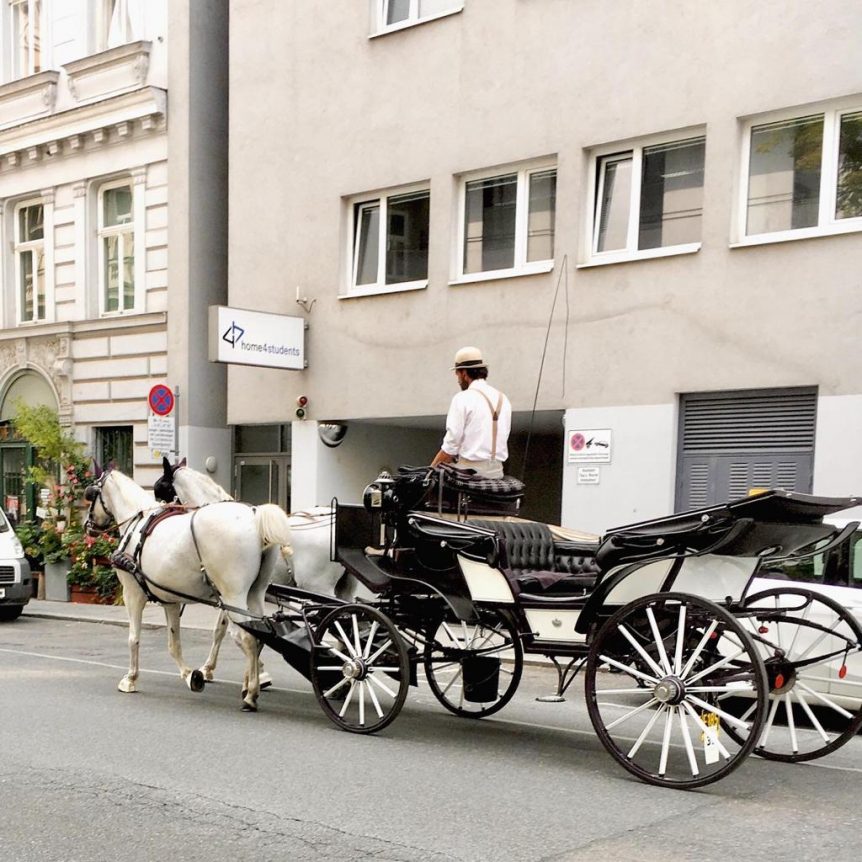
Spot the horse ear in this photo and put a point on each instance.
(112, 465)
(166, 465)
(183, 463)
(97, 468)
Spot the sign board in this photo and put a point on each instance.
(589, 475)
(243, 337)
(593, 446)
(161, 400)
(161, 434)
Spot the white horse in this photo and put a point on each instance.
(212, 554)
(307, 565)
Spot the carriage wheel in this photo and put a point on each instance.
(359, 668)
(465, 668)
(805, 640)
(655, 673)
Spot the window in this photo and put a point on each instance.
(390, 241)
(30, 261)
(647, 198)
(396, 14)
(24, 34)
(114, 23)
(116, 248)
(508, 223)
(804, 175)
(115, 444)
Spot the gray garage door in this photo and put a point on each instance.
(731, 442)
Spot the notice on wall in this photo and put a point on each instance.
(591, 445)
(589, 475)
(161, 434)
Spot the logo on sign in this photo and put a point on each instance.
(233, 334)
(578, 442)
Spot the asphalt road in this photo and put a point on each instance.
(87, 773)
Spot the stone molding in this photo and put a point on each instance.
(120, 118)
(110, 72)
(29, 97)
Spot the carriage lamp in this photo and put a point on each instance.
(301, 404)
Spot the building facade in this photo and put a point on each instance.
(90, 302)
(649, 217)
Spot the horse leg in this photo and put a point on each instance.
(271, 560)
(134, 600)
(194, 679)
(219, 632)
(250, 646)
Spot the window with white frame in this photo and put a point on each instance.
(24, 37)
(30, 261)
(389, 248)
(804, 174)
(647, 198)
(508, 221)
(395, 14)
(116, 247)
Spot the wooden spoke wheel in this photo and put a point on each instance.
(474, 669)
(359, 668)
(656, 671)
(811, 648)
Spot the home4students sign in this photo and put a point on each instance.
(246, 337)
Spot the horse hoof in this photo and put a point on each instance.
(267, 684)
(208, 674)
(249, 707)
(196, 681)
(127, 686)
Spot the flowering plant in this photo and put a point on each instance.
(91, 560)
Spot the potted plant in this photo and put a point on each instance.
(61, 473)
(91, 575)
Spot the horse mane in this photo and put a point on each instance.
(131, 491)
(205, 484)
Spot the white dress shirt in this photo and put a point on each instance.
(470, 424)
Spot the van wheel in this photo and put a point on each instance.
(8, 613)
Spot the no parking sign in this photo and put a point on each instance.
(161, 426)
(161, 399)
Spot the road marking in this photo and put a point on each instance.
(491, 721)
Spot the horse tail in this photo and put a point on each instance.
(273, 526)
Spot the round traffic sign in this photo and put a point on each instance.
(578, 441)
(161, 400)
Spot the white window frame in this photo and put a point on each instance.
(103, 233)
(355, 205)
(381, 12)
(633, 148)
(521, 266)
(13, 8)
(827, 224)
(19, 248)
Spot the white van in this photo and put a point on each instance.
(15, 582)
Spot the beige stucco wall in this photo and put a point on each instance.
(320, 111)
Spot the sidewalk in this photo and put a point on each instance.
(194, 616)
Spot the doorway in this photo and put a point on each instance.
(262, 479)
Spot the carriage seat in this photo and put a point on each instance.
(535, 564)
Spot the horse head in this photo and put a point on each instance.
(163, 487)
(99, 518)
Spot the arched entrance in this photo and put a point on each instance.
(16, 454)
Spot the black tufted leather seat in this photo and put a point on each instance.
(536, 564)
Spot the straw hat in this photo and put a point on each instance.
(468, 357)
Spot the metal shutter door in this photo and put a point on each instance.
(733, 441)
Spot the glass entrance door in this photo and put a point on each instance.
(262, 479)
(13, 496)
